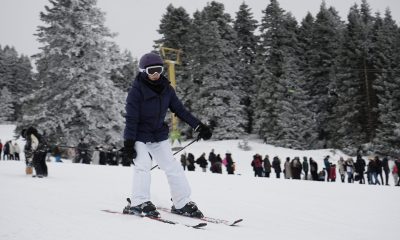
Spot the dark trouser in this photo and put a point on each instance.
(39, 162)
(16, 156)
(362, 178)
(314, 175)
(305, 175)
(386, 177)
(380, 174)
(267, 174)
(258, 172)
(278, 175)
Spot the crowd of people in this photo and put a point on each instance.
(375, 171)
(215, 162)
(9, 151)
(353, 171)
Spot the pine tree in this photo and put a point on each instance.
(78, 99)
(124, 75)
(322, 79)
(218, 95)
(247, 44)
(16, 75)
(270, 69)
(6, 106)
(386, 50)
(350, 110)
(282, 111)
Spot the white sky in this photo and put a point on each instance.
(137, 21)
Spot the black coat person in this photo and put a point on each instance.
(360, 169)
(276, 165)
(82, 153)
(386, 169)
(190, 165)
(230, 165)
(314, 169)
(202, 161)
(35, 150)
(102, 156)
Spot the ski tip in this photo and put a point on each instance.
(236, 222)
(200, 225)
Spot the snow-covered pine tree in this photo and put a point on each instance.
(124, 75)
(78, 99)
(324, 61)
(218, 98)
(245, 26)
(6, 106)
(265, 111)
(386, 62)
(281, 110)
(16, 75)
(295, 120)
(350, 110)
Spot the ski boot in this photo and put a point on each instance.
(147, 208)
(190, 210)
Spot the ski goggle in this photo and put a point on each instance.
(154, 69)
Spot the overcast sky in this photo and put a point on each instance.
(137, 21)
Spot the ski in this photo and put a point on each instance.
(206, 219)
(160, 219)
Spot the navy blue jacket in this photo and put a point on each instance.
(146, 111)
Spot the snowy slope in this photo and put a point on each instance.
(67, 204)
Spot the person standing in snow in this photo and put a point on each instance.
(146, 133)
(183, 161)
(267, 166)
(6, 151)
(342, 171)
(305, 168)
(296, 168)
(350, 170)
(287, 169)
(360, 169)
(230, 168)
(257, 165)
(12, 151)
(385, 166)
(82, 152)
(202, 161)
(327, 168)
(17, 151)
(314, 169)
(276, 165)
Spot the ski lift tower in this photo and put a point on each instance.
(171, 57)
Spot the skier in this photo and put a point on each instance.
(146, 133)
(35, 151)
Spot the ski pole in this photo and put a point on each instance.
(195, 140)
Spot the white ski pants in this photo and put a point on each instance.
(161, 152)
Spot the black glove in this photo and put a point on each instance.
(204, 132)
(129, 149)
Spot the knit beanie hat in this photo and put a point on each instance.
(150, 59)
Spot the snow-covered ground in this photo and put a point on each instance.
(67, 204)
